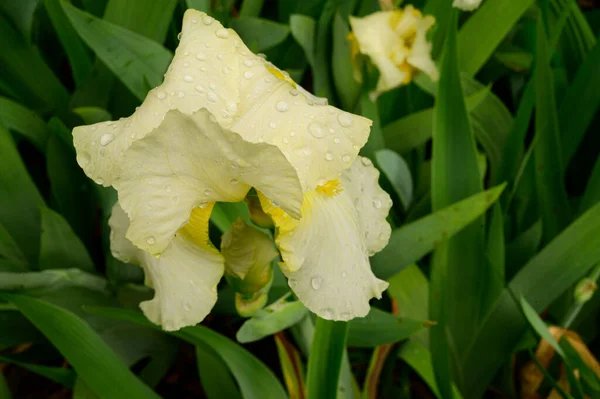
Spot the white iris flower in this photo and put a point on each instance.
(396, 43)
(225, 121)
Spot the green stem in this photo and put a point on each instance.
(325, 360)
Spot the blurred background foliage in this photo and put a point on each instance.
(494, 172)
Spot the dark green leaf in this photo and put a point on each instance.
(21, 200)
(303, 29)
(24, 70)
(276, 317)
(551, 193)
(260, 34)
(91, 358)
(410, 243)
(217, 382)
(543, 279)
(79, 56)
(63, 376)
(325, 359)
(395, 168)
(380, 328)
(14, 116)
(483, 32)
(348, 89)
(149, 19)
(457, 272)
(133, 58)
(253, 377)
(579, 104)
(60, 247)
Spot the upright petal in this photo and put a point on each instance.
(326, 253)
(189, 161)
(184, 277)
(253, 98)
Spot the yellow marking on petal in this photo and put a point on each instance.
(409, 71)
(395, 18)
(331, 188)
(196, 229)
(281, 76)
(284, 222)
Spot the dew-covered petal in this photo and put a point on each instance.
(372, 203)
(326, 255)
(318, 139)
(189, 161)
(184, 277)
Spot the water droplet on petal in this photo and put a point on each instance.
(344, 274)
(201, 56)
(345, 316)
(186, 64)
(181, 94)
(282, 106)
(328, 156)
(176, 198)
(285, 140)
(366, 161)
(194, 21)
(179, 35)
(222, 33)
(100, 181)
(316, 129)
(345, 119)
(212, 118)
(188, 78)
(294, 92)
(346, 158)
(200, 88)
(187, 306)
(150, 240)
(83, 158)
(161, 95)
(327, 314)
(208, 192)
(233, 181)
(212, 97)
(377, 203)
(336, 140)
(106, 139)
(168, 188)
(272, 124)
(207, 20)
(292, 282)
(292, 134)
(212, 86)
(248, 63)
(248, 74)
(315, 282)
(219, 56)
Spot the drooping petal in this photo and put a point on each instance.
(372, 203)
(326, 253)
(189, 161)
(184, 277)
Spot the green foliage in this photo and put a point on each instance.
(494, 171)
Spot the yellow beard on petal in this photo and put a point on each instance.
(331, 188)
(281, 76)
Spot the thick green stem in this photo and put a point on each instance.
(325, 360)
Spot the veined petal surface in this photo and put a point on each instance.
(326, 252)
(184, 277)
